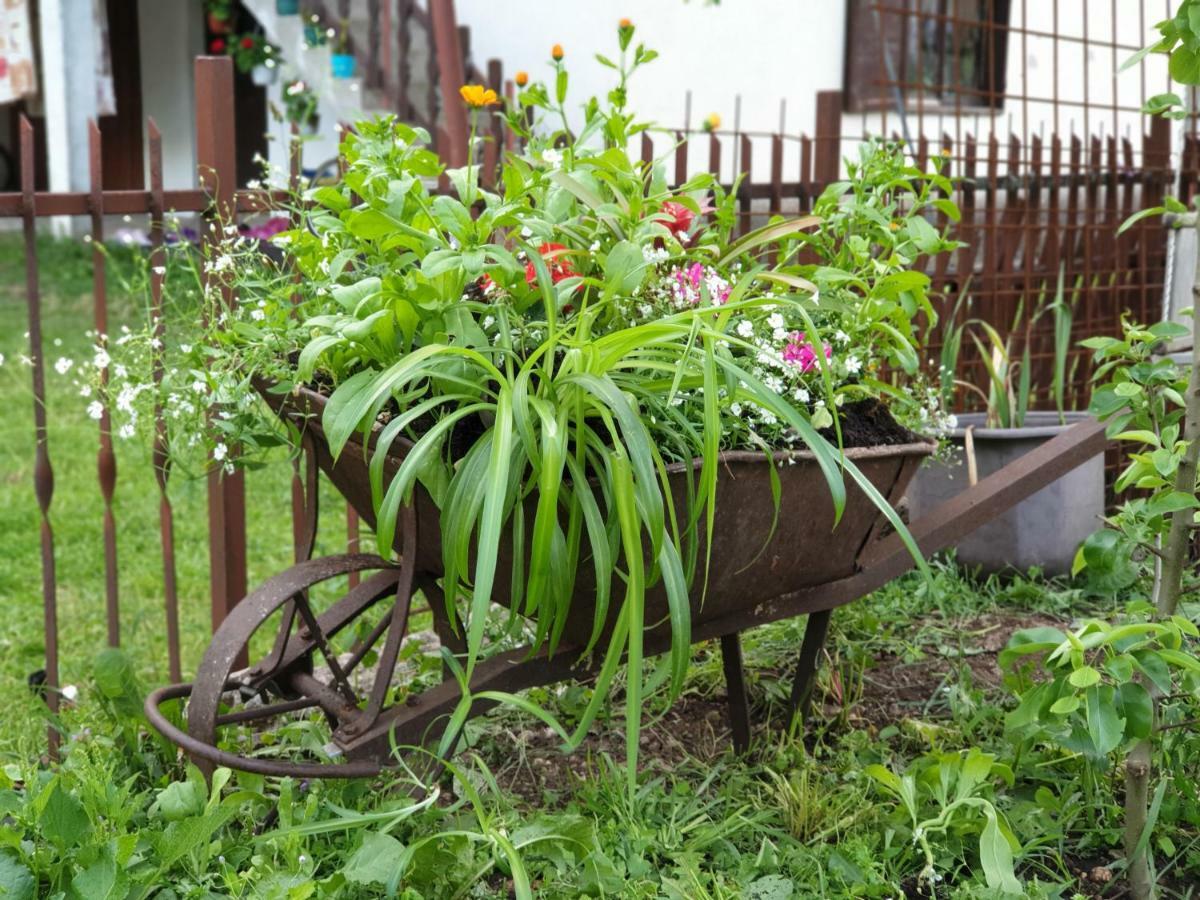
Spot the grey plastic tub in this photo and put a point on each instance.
(1046, 529)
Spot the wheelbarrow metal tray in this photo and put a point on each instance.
(756, 555)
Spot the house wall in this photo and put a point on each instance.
(171, 35)
(777, 54)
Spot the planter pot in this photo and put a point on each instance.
(264, 76)
(342, 65)
(314, 35)
(750, 564)
(217, 25)
(287, 7)
(1046, 529)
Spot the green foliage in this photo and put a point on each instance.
(949, 794)
(1180, 41)
(1096, 699)
(1009, 385)
(1141, 397)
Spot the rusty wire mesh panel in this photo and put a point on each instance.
(1049, 143)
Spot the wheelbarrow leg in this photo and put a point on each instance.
(806, 667)
(735, 685)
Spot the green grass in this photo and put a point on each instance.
(76, 512)
(796, 817)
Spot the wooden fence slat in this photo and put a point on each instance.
(745, 199)
(777, 174)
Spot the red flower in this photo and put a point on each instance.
(247, 43)
(559, 266)
(680, 217)
(217, 46)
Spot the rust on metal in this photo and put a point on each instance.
(735, 686)
(161, 457)
(43, 473)
(365, 731)
(106, 461)
(215, 147)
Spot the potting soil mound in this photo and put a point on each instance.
(868, 423)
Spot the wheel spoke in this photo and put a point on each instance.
(318, 637)
(265, 711)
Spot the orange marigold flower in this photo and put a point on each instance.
(625, 23)
(477, 95)
(556, 52)
(522, 78)
(895, 226)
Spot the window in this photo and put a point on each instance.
(941, 53)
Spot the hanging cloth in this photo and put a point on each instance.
(18, 73)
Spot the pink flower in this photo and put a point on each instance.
(800, 352)
(688, 282)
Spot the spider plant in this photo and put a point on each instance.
(1008, 386)
(603, 333)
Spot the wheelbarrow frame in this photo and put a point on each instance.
(365, 735)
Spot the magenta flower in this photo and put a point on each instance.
(799, 352)
(688, 282)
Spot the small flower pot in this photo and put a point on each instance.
(342, 65)
(1044, 530)
(218, 25)
(314, 35)
(264, 76)
(287, 7)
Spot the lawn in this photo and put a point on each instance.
(910, 684)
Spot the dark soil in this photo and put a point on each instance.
(895, 689)
(697, 727)
(868, 423)
(534, 767)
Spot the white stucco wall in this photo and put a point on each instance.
(766, 51)
(170, 35)
(773, 52)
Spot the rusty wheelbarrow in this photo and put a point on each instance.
(805, 568)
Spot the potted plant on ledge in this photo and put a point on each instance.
(1045, 530)
(254, 55)
(341, 60)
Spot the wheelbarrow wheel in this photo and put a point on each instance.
(303, 670)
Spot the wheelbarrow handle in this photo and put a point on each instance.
(946, 524)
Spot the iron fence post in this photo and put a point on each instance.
(215, 154)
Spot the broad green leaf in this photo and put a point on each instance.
(996, 857)
(63, 820)
(374, 861)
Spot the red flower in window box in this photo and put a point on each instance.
(247, 43)
(216, 46)
(559, 266)
(680, 217)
